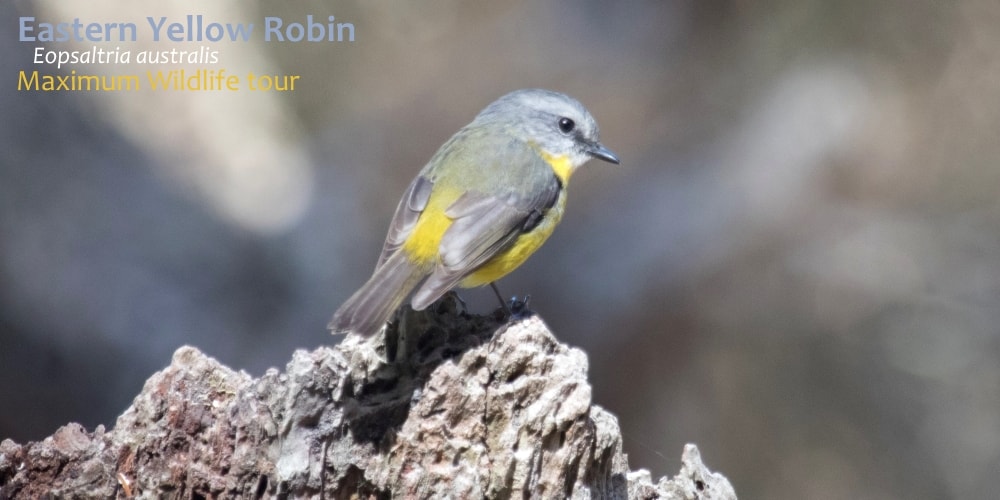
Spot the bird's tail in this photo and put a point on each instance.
(371, 306)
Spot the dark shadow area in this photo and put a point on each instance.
(416, 343)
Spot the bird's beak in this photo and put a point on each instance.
(602, 153)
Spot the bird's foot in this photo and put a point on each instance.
(518, 307)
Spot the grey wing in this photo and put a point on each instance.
(410, 207)
(483, 226)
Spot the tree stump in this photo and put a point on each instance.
(443, 405)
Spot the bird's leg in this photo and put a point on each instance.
(516, 307)
(503, 303)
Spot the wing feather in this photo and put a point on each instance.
(483, 226)
(410, 207)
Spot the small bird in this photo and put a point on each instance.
(489, 197)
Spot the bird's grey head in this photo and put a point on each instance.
(556, 123)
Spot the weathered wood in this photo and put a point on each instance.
(466, 407)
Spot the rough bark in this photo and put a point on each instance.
(448, 406)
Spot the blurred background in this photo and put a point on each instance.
(796, 266)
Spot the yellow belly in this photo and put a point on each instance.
(508, 260)
(422, 245)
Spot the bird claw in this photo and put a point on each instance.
(518, 307)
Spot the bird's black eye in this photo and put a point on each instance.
(566, 125)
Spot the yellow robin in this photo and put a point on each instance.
(489, 197)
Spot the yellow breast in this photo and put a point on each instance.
(523, 247)
(561, 165)
(423, 243)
